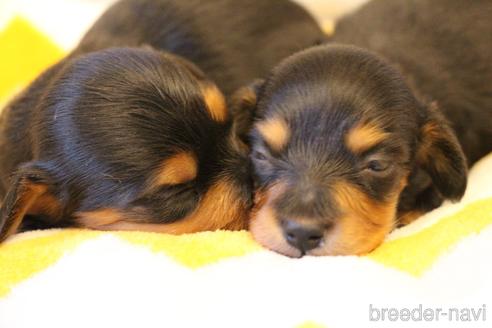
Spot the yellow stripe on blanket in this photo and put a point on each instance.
(23, 258)
(197, 249)
(310, 324)
(24, 53)
(416, 253)
(27, 254)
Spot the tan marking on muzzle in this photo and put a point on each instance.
(362, 226)
(264, 224)
(364, 222)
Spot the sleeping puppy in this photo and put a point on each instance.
(138, 139)
(122, 139)
(347, 145)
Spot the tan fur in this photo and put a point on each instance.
(47, 205)
(28, 196)
(275, 132)
(179, 168)
(364, 136)
(409, 217)
(245, 96)
(221, 207)
(215, 101)
(99, 218)
(264, 224)
(431, 134)
(362, 226)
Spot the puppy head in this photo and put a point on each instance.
(337, 141)
(133, 139)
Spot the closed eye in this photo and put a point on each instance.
(378, 165)
(259, 155)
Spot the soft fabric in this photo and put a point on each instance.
(83, 278)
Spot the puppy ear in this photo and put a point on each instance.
(441, 156)
(29, 191)
(243, 108)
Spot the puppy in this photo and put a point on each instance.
(347, 145)
(122, 139)
(138, 139)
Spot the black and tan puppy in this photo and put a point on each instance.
(347, 145)
(138, 139)
(127, 139)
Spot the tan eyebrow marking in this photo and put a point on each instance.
(275, 132)
(179, 168)
(364, 136)
(215, 101)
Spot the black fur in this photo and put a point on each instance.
(232, 41)
(424, 77)
(442, 49)
(91, 131)
(102, 125)
(322, 93)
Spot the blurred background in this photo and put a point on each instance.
(34, 34)
(66, 20)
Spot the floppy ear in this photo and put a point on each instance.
(29, 191)
(243, 108)
(440, 155)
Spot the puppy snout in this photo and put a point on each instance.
(304, 237)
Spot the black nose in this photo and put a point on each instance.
(302, 236)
